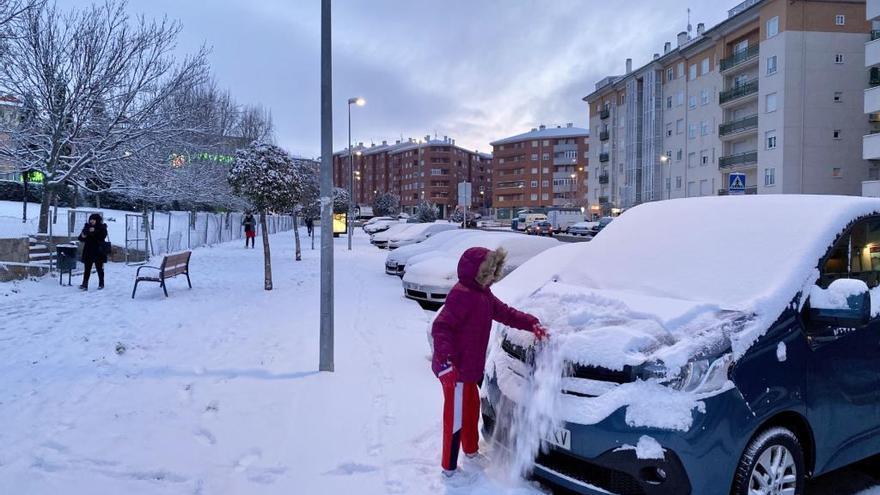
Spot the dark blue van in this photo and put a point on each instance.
(764, 311)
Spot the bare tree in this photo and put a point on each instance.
(255, 124)
(93, 85)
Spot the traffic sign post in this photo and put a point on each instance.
(736, 183)
(464, 199)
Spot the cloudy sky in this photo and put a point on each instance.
(475, 70)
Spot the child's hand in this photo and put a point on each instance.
(448, 376)
(540, 332)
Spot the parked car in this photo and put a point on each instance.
(744, 355)
(376, 219)
(380, 239)
(581, 228)
(526, 219)
(430, 276)
(601, 224)
(380, 226)
(396, 261)
(418, 233)
(540, 228)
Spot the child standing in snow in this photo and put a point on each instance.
(461, 337)
(250, 230)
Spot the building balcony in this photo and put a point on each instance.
(736, 128)
(604, 113)
(604, 157)
(738, 160)
(872, 52)
(743, 92)
(603, 200)
(871, 147)
(872, 10)
(603, 136)
(872, 100)
(749, 190)
(603, 178)
(740, 59)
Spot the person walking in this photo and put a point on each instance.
(310, 226)
(93, 236)
(461, 337)
(250, 230)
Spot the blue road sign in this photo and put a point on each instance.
(736, 183)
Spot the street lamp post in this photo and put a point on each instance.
(359, 102)
(663, 160)
(325, 361)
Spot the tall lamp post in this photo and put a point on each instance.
(325, 362)
(663, 161)
(359, 102)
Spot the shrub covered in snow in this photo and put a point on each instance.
(341, 200)
(386, 204)
(426, 212)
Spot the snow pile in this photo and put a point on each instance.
(782, 352)
(837, 294)
(647, 448)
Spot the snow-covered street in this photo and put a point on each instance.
(214, 390)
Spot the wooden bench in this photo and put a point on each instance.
(172, 266)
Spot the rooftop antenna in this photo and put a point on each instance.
(690, 28)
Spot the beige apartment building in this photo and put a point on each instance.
(775, 91)
(871, 140)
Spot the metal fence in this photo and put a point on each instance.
(158, 233)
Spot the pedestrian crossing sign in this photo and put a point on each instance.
(736, 183)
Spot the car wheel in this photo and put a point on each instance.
(773, 464)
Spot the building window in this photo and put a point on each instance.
(772, 26)
(704, 128)
(545, 156)
(838, 59)
(770, 140)
(769, 177)
(771, 65)
(534, 144)
(679, 154)
(692, 131)
(836, 172)
(546, 142)
(545, 196)
(704, 66)
(669, 129)
(838, 96)
(692, 102)
(692, 160)
(436, 171)
(704, 97)
(534, 170)
(692, 72)
(534, 157)
(704, 158)
(770, 103)
(678, 182)
(668, 154)
(680, 69)
(534, 196)
(836, 134)
(670, 74)
(679, 126)
(668, 102)
(534, 184)
(545, 183)
(679, 99)
(840, 20)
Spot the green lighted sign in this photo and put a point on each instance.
(178, 160)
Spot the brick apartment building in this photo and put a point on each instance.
(416, 169)
(542, 168)
(775, 91)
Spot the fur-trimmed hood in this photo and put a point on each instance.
(479, 267)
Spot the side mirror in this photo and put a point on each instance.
(846, 302)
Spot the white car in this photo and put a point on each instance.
(582, 228)
(418, 233)
(380, 226)
(380, 239)
(396, 261)
(430, 276)
(376, 219)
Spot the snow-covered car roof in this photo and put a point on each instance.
(393, 230)
(418, 229)
(441, 268)
(585, 225)
(436, 242)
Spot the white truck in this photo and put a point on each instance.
(562, 219)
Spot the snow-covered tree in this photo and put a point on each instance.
(341, 200)
(458, 216)
(426, 212)
(267, 177)
(306, 195)
(92, 83)
(386, 204)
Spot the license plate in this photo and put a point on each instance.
(559, 437)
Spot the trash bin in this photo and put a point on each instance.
(65, 261)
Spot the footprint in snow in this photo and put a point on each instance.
(247, 460)
(212, 408)
(205, 436)
(349, 468)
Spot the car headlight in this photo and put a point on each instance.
(700, 376)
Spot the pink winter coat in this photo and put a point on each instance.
(461, 330)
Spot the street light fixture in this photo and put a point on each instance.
(663, 161)
(573, 183)
(359, 102)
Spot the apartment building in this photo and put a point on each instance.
(415, 170)
(10, 113)
(774, 92)
(542, 168)
(871, 141)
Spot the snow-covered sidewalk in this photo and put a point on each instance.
(214, 390)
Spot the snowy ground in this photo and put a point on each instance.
(214, 390)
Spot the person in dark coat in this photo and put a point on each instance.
(461, 337)
(250, 230)
(310, 226)
(93, 236)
